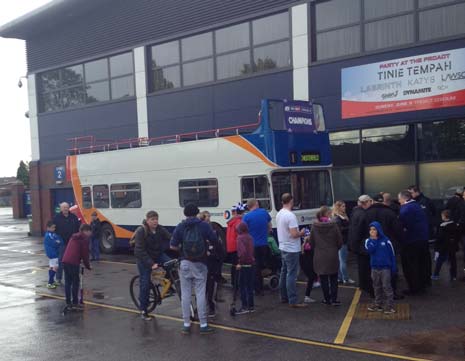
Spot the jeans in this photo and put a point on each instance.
(95, 248)
(261, 253)
(329, 287)
(246, 282)
(193, 275)
(71, 283)
(288, 277)
(343, 275)
(382, 287)
(444, 257)
(145, 275)
(61, 252)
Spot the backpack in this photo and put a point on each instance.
(194, 247)
(132, 240)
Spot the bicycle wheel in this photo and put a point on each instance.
(154, 295)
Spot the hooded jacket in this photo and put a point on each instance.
(245, 248)
(381, 250)
(208, 235)
(447, 240)
(231, 234)
(77, 250)
(52, 243)
(150, 245)
(326, 240)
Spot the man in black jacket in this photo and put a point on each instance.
(358, 233)
(150, 239)
(67, 224)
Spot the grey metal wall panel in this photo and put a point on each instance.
(107, 121)
(215, 106)
(121, 23)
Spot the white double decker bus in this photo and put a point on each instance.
(215, 170)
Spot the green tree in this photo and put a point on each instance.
(23, 173)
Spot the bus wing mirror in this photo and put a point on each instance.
(319, 117)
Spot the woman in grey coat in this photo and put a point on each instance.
(326, 240)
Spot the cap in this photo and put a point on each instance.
(364, 198)
(378, 198)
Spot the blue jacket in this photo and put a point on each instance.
(257, 221)
(381, 250)
(415, 222)
(52, 243)
(206, 230)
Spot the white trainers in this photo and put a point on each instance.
(309, 300)
(316, 284)
(349, 281)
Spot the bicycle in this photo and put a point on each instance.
(165, 278)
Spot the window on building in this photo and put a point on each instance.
(345, 147)
(389, 32)
(442, 22)
(427, 3)
(380, 8)
(388, 145)
(201, 192)
(310, 189)
(346, 183)
(388, 178)
(101, 196)
(91, 82)
(166, 66)
(336, 43)
(196, 72)
(442, 140)
(86, 197)
(337, 13)
(197, 59)
(440, 180)
(126, 195)
(232, 45)
(256, 188)
(271, 44)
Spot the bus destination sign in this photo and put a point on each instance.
(310, 157)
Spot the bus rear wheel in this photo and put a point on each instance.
(108, 241)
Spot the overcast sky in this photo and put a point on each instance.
(14, 127)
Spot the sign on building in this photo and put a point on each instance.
(428, 81)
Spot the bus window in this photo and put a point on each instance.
(310, 189)
(126, 195)
(100, 195)
(86, 197)
(258, 188)
(201, 192)
(276, 115)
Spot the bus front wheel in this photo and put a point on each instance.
(108, 241)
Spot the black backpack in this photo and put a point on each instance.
(194, 247)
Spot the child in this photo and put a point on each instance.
(52, 243)
(245, 266)
(96, 236)
(447, 245)
(76, 250)
(326, 240)
(383, 264)
(275, 259)
(231, 238)
(306, 264)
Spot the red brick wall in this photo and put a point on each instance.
(17, 193)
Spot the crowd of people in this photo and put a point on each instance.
(378, 229)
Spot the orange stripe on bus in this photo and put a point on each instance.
(86, 213)
(247, 146)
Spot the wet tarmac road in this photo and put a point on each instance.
(33, 328)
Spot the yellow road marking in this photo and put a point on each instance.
(115, 262)
(341, 335)
(255, 333)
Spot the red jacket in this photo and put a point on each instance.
(231, 234)
(245, 247)
(77, 249)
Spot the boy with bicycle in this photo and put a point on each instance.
(150, 239)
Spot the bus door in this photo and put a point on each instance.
(258, 187)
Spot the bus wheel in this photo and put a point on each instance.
(108, 242)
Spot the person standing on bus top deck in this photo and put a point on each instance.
(259, 222)
(213, 267)
(66, 224)
(149, 239)
(290, 246)
(231, 238)
(191, 238)
(96, 226)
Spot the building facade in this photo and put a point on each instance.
(388, 74)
